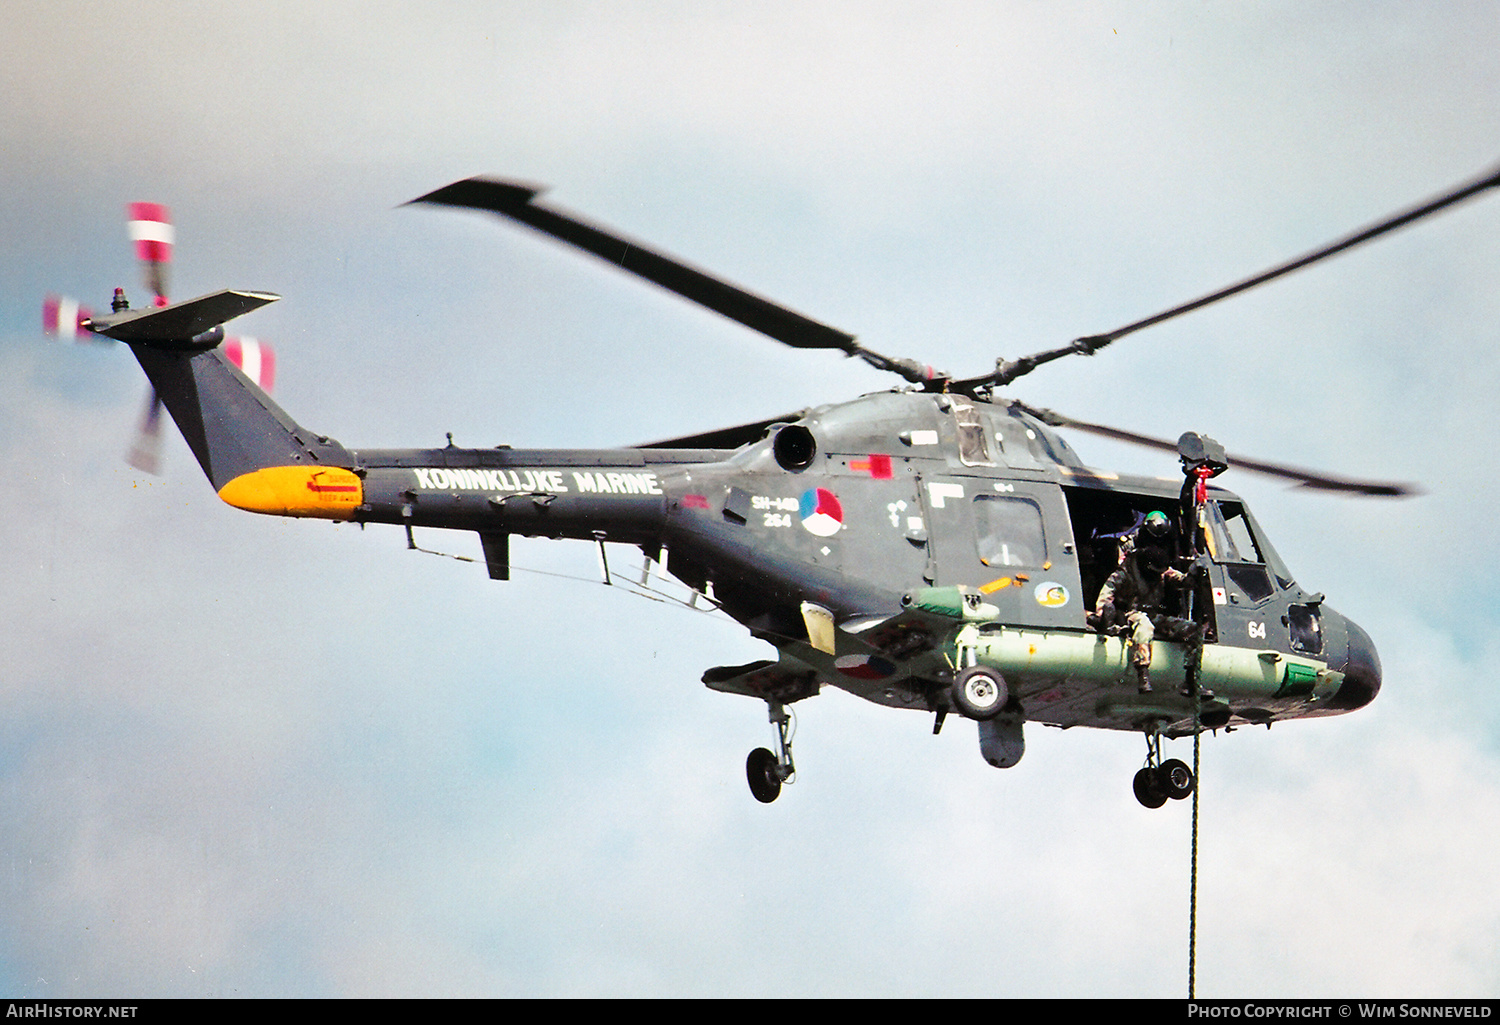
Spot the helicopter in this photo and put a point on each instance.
(936, 547)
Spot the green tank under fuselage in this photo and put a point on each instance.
(1082, 678)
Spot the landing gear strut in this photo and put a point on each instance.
(766, 771)
(1160, 780)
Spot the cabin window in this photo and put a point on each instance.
(1010, 531)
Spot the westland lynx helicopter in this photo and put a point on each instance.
(936, 547)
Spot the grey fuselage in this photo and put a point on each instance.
(857, 504)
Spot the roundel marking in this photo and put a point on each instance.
(864, 667)
(821, 513)
(1051, 594)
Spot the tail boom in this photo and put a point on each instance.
(259, 459)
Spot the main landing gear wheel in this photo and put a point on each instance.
(1148, 788)
(1175, 779)
(764, 776)
(980, 693)
(1154, 784)
(1161, 780)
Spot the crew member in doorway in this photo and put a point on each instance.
(1141, 588)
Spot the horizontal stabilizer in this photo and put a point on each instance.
(773, 681)
(179, 323)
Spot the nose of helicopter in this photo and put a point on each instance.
(1361, 671)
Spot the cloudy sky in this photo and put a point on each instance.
(243, 756)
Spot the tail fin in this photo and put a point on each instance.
(231, 425)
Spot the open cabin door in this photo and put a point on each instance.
(1102, 516)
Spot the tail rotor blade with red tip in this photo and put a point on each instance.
(64, 318)
(150, 227)
(256, 360)
(151, 230)
(145, 453)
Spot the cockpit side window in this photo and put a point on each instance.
(1232, 542)
(1229, 534)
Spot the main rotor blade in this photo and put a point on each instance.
(517, 201)
(1304, 478)
(1091, 344)
(1399, 220)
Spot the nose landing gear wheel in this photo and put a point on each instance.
(980, 693)
(761, 771)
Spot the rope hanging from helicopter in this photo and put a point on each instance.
(1201, 461)
(1193, 865)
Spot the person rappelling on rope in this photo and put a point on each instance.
(1141, 589)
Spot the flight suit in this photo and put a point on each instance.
(1135, 592)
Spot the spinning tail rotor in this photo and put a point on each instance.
(65, 320)
(151, 230)
(153, 235)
